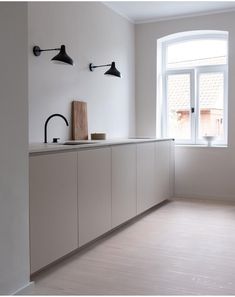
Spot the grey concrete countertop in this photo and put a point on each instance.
(42, 148)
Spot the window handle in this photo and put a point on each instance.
(192, 109)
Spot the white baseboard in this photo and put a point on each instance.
(205, 197)
(26, 290)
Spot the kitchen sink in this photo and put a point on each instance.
(78, 142)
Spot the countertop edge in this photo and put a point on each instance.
(41, 148)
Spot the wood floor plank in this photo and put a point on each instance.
(181, 248)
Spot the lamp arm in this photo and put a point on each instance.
(101, 66)
(49, 49)
(91, 66)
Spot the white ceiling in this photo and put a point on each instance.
(147, 11)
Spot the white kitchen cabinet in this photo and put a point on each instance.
(146, 176)
(94, 193)
(164, 170)
(53, 207)
(124, 200)
(78, 196)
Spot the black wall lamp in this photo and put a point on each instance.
(61, 57)
(112, 70)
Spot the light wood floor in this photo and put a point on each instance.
(182, 248)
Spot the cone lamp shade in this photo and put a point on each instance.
(62, 57)
(113, 70)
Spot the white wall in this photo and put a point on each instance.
(14, 226)
(92, 33)
(200, 172)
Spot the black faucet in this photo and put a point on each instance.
(45, 126)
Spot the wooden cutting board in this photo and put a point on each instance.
(79, 120)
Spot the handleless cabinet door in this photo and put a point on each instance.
(163, 166)
(123, 183)
(94, 193)
(53, 207)
(172, 169)
(146, 176)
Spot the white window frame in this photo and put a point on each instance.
(191, 74)
(194, 72)
(213, 69)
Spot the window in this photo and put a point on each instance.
(192, 86)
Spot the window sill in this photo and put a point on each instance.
(202, 146)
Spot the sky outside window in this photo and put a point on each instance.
(195, 53)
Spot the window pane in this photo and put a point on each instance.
(178, 93)
(211, 104)
(197, 53)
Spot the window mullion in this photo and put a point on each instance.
(164, 106)
(164, 115)
(196, 102)
(192, 104)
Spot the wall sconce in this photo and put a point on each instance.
(61, 57)
(112, 70)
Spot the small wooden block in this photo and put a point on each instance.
(98, 136)
(79, 120)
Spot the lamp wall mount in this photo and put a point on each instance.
(37, 50)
